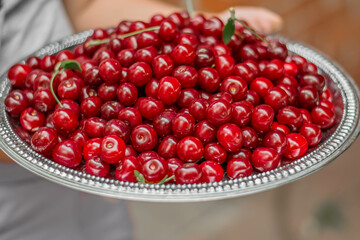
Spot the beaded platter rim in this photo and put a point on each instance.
(343, 135)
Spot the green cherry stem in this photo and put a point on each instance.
(122, 36)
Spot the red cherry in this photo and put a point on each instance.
(236, 86)
(169, 90)
(262, 118)
(296, 146)
(219, 112)
(67, 153)
(125, 170)
(65, 121)
(277, 140)
(183, 125)
(205, 131)
(17, 74)
(312, 133)
(187, 96)
(261, 85)
(250, 137)
(16, 102)
(95, 166)
(189, 173)
(110, 71)
(209, 79)
(139, 73)
(167, 147)
(149, 107)
(265, 159)
(241, 115)
(162, 65)
(190, 149)
(118, 128)
(224, 64)
(131, 116)
(163, 123)
(44, 140)
(112, 149)
(211, 171)
(276, 98)
(183, 54)
(239, 167)
(323, 117)
(214, 152)
(110, 110)
(291, 117)
(31, 119)
(154, 170)
(198, 109)
(186, 75)
(143, 138)
(92, 148)
(127, 93)
(230, 137)
(80, 137)
(94, 127)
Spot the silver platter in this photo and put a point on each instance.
(335, 141)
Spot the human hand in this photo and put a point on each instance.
(261, 19)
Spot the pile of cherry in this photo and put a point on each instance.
(172, 103)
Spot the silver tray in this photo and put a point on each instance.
(335, 141)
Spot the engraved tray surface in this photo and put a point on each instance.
(335, 141)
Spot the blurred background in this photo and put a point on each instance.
(324, 205)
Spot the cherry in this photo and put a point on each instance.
(187, 38)
(224, 64)
(211, 171)
(315, 80)
(112, 149)
(219, 112)
(249, 52)
(187, 96)
(144, 156)
(33, 62)
(183, 54)
(305, 115)
(149, 107)
(139, 73)
(209, 79)
(188, 173)
(300, 62)
(17, 74)
(126, 57)
(186, 75)
(250, 137)
(44, 140)
(190, 149)
(167, 147)
(115, 45)
(90, 107)
(152, 88)
(127, 93)
(162, 65)
(204, 57)
(308, 97)
(110, 70)
(169, 90)
(118, 128)
(253, 97)
(312, 133)
(92, 76)
(146, 54)
(104, 54)
(288, 80)
(198, 109)
(30, 78)
(168, 30)
(327, 104)
(236, 86)
(277, 140)
(44, 100)
(47, 63)
(291, 93)
(274, 70)
(213, 27)
(230, 137)
(143, 138)
(80, 137)
(205, 131)
(92, 148)
(125, 170)
(67, 153)
(197, 22)
(265, 159)
(131, 116)
(94, 127)
(291, 117)
(107, 92)
(166, 48)
(215, 152)
(277, 98)
(239, 167)
(326, 95)
(16, 102)
(69, 89)
(323, 117)
(156, 20)
(262, 117)
(163, 123)
(183, 125)
(244, 71)
(31, 119)
(97, 167)
(130, 151)
(154, 170)
(99, 34)
(178, 19)
(291, 69)
(296, 146)
(172, 165)
(123, 27)
(261, 85)
(147, 39)
(65, 120)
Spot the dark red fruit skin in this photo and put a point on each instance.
(276, 98)
(31, 119)
(69, 104)
(94, 127)
(261, 85)
(118, 128)
(305, 115)
(168, 30)
(198, 109)
(205, 131)
(189, 173)
(92, 76)
(17, 75)
(43, 100)
(65, 121)
(186, 75)
(67, 153)
(291, 117)
(211, 171)
(95, 166)
(204, 57)
(92, 148)
(265, 159)
(149, 107)
(139, 74)
(90, 107)
(167, 147)
(125, 170)
(183, 125)
(236, 86)
(144, 156)
(112, 149)
(253, 97)
(323, 117)
(169, 90)
(224, 65)
(110, 110)
(143, 138)
(296, 146)
(183, 54)
(126, 57)
(127, 94)
(16, 102)
(151, 88)
(163, 65)
(215, 152)
(315, 80)
(190, 149)
(250, 137)
(80, 137)
(242, 153)
(219, 112)
(230, 137)
(131, 116)
(209, 79)
(312, 133)
(187, 96)
(308, 97)
(163, 123)
(130, 151)
(154, 170)
(173, 164)
(277, 140)
(110, 71)
(44, 140)
(213, 27)
(262, 117)
(241, 115)
(327, 104)
(239, 167)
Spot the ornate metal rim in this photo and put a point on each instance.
(342, 136)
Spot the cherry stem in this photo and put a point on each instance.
(190, 7)
(57, 71)
(122, 36)
(232, 12)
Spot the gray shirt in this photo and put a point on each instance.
(32, 208)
